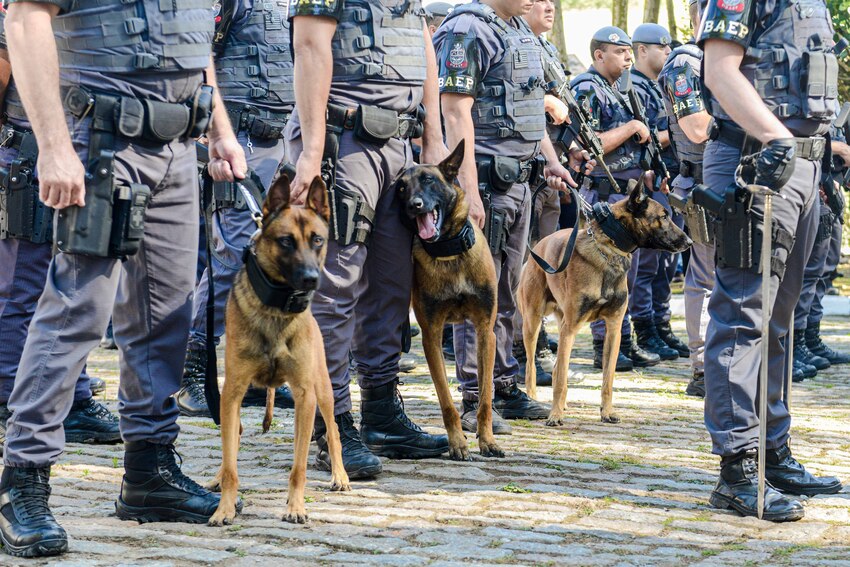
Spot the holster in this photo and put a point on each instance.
(733, 227)
(699, 226)
(22, 214)
(495, 225)
(825, 224)
(351, 216)
(780, 238)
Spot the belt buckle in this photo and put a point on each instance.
(403, 127)
(8, 134)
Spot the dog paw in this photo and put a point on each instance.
(459, 453)
(214, 485)
(491, 450)
(610, 418)
(554, 421)
(340, 486)
(222, 518)
(296, 517)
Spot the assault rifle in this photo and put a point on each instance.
(577, 129)
(650, 154)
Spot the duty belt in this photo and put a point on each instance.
(692, 170)
(345, 118)
(257, 122)
(507, 170)
(15, 138)
(603, 186)
(811, 149)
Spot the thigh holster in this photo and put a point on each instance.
(495, 223)
(700, 226)
(22, 214)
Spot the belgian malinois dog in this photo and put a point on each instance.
(593, 286)
(452, 289)
(271, 345)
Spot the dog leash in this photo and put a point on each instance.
(583, 208)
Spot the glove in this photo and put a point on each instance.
(774, 164)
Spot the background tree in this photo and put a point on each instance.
(620, 14)
(841, 19)
(651, 10)
(556, 36)
(672, 25)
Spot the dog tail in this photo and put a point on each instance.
(267, 418)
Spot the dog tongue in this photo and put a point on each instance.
(427, 227)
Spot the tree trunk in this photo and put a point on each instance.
(556, 36)
(651, 10)
(620, 13)
(671, 20)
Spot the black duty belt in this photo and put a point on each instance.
(692, 170)
(603, 186)
(257, 122)
(811, 148)
(503, 171)
(16, 138)
(373, 123)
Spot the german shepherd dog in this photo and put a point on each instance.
(269, 346)
(592, 287)
(452, 289)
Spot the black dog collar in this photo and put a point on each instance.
(458, 244)
(280, 296)
(613, 228)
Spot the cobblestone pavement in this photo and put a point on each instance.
(589, 493)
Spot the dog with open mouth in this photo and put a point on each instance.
(454, 280)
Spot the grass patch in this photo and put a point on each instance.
(611, 464)
(514, 488)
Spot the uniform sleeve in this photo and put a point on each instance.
(683, 88)
(224, 11)
(731, 20)
(64, 5)
(3, 44)
(588, 95)
(327, 8)
(459, 63)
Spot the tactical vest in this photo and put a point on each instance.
(627, 156)
(791, 67)
(124, 36)
(381, 41)
(690, 55)
(509, 101)
(255, 66)
(554, 73)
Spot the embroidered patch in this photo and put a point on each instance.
(457, 57)
(733, 6)
(614, 38)
(682, 88)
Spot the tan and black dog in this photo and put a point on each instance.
(454, 280)
(593, 286)
(272, 339)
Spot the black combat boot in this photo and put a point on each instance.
(624, 363)
(665, 333)
(256, 397)
(96, 385)
(407, 364)
(91, 422)
(804, 355)
(543, 378)
(648, 340)
(190, 398)
(469, 419)
(802, 371)
(388, 432)
(154, 489)
(818, 347)
(551, 342)
(108, 340)
(448, 343)
(737, 488)
(639, 357)
(787, 475)
(27, 527)
(513, 403)
(696, 387)
(357, 460)
(545, 355)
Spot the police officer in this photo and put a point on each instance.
(780, 122)
(134, 102)
(435, 13)
(496, 105)
(649, 299)
(364, 72)
(611, 50)
(25, 254)
(688, 130)
(254, 75)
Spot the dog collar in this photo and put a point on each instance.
(280, 296)
(613, 228)
(458, 244)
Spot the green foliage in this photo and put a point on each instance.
(840, 10)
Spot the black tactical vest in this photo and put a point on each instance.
(124, 36)
(255, 66)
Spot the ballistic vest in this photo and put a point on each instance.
(686, 55)
(380, 41)
(255, 66)
(509, 101)
(613, 115)
(790, 64)
(125, 36)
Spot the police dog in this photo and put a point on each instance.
(592, 287)
(452, 289)
(267, 345)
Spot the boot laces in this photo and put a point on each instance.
(34, 493)
(98, 410)
(196, 392)
(171, 463)
(348, 434)
(402, 415)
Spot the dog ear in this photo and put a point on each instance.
(637, 196)
(317, 198)
(450, 166)
(278, 196)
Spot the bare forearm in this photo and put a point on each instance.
(548, 151)
(313, 74)
(5, 74)
(433, 132)
(220, 124)
(842, 150)
(32, 51)
(459, 126)
(664, 138)
(613, 139)
(736, 94)
(695, 126)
